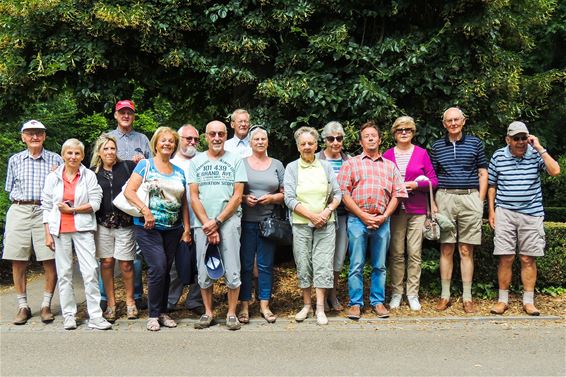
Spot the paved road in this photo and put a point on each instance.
(392, 347)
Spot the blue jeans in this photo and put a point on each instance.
(158, 249)
(252, 244)
(359, 240)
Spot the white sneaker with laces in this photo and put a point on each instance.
(99, 324)
(414, 303)
(395, 301)
(304, 313)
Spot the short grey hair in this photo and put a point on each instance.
(453, 108)
(305, 130)
(256, 129)
(331, 128)
(188, 125)
(73, 143)
(237, 112)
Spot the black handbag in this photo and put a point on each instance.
(431, 228)
(277, 227)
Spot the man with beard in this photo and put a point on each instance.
(189, 139)
(217, 182)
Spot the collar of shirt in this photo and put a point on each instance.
(28, 155)
(448, 142)
(245, 141)
(379, 156)
(305, 165)
(126, 134)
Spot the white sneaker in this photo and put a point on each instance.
(69, 323)
(305, 312)
(99, 324)
(321, 318)
(414, 303)
(395, 301)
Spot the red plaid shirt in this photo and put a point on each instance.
(371, 182)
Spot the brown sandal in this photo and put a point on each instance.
(244, 317)
(269, 316)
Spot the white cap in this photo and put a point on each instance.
(517, 128)
(32, 124)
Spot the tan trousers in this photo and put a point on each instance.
(407, 228)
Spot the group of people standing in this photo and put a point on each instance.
(364, 205)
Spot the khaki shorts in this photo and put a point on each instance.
(465, 210)
(117, 243)
(25, 232)
(515, 231)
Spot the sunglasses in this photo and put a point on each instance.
(520, 138)
(404, 130)
(190, 139)
(257, 127)
(332, 139)
(220, 134)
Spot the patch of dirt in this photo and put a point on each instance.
(287, 300)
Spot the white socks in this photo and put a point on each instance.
(46, 300)
(22, 301)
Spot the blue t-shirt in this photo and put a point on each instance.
(166, 192)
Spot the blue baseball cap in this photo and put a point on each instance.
(213, 262)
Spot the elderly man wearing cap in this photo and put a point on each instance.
(460, 164)
(217, 180)
(24, 220)
(133, 146)
(515, 210)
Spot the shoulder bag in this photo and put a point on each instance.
(431, 228)
(143, 193)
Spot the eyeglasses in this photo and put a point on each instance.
(331, 139)
(404, 130)
(520, 138)
(190, 139)
(32, 132)
(453, 120)
(220, 134)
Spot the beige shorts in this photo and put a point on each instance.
(25, 232)
(117, 243)
(515, 231)
(465, 210)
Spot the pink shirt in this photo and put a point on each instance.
(68, 219)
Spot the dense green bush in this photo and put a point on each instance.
(551, 267)
(555, 214)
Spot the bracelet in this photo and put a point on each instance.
(543, 152)
(74, 211)
(141, 209)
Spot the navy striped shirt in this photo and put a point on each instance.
(517, 181)
(456, 164)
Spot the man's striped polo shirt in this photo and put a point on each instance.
(517, 181)
(457, 163)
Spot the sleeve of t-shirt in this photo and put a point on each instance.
(192, 173)
(492, 171)
(240, 171)
(140, 167)
(280, 172)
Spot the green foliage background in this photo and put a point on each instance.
(289, 62)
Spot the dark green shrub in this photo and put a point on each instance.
(555, 214)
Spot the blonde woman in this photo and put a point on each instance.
(114, 238)
(164, 221)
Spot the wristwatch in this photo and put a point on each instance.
(217, 221)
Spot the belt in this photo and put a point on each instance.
(459, 191)
(27, 202)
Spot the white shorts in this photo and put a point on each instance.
(119, 243)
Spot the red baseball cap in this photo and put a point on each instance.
(125, 103)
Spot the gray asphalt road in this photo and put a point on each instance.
(484, 347)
